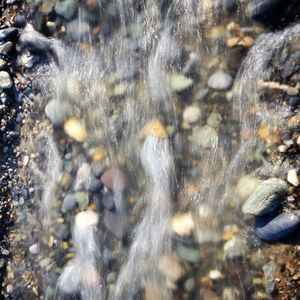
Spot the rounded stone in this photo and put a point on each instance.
(57, 112)
(69, 202)
(220, 80)
(5, 80)
(191, 114)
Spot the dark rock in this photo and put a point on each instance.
(62, 232)
(266, 11)
(93, 185)
(97, 168)
(8, 33)
(34, 40)
(20, 21)
(114, 223)
(272, 229)
(108, 201)
(69, 202)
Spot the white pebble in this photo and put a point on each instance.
(293, 178)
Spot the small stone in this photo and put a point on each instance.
(191, 114)
(235, 248)
(206, 136)
(269, 270)
(220, 80)
(34, 249)
(62, 232)
(3, 63)
(57, 112)
(183, 224)
(114, 223)
(119, 90)
(45, 262)
(231, 293)
(190, 284)
(82, 199)
(215, 274)
(75, 129)
(114, 179)
(8, 33)
(5, 80)
(292, 177)
(266, 196)
(97, 168)
(171, 267)
(189, 254)
(66, 8)
(180, 82)
(108, 201)
(213, 120)
(77, 29)
(98, 154)
(69, 203)
(6, 48)
(153, 128)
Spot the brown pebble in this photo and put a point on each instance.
(114, 177)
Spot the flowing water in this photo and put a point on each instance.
(117, 86)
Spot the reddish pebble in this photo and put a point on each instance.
(114, 179)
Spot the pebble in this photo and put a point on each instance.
(8, 33)
(113, 179)
(206, 136)
(180, 82)
(154, 128)
(69, 203)
(220, 80)
(292, 177)
(269, 270)
(5, 80)
(6, 48)
(235, 248)
(108, 201)
(66, 8)
(231, 293)
(213, 120)
(97, 168)
(3, 63)
(183, 224)
(171, 267)
(34, 249)
(82, 199)
(57, 112)
(77, 29)
(114, 223)
(272, 229)
(75, 129)
(189, 254)
(191, 114)
(265, 198)
(62, 232)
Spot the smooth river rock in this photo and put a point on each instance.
(220, 80)
(266, 197)
(272, 229)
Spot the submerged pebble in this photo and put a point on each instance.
(191, 114)
(5, 80)
(292, 177)
(272, 229)
(235, 248)
(266, 197)
(180, 82)
(220, 80)
(57, 112)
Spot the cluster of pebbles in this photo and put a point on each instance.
(212, 255)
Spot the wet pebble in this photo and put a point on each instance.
(114, 179)
(231, 293)
(69, 202)
(8, 33)
(57, 112)
(77, 29)
(266, 197)
(269, 270)
(187, 253)
(82, 199)
(220, 80)
(114, 223)
(62, 232)
(34, 249)
(191, 114)
(108, 201)
(205, 136)
(6, 48)
(180, 82)
(292, 177)
(235, 248)
(5, 80)
(66, 8)
(97, 168)
(75, 129)
(272, 229)
(171, 267)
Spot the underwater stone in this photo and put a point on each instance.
(191, 114)
(69, 202)
(57, 112)
(77, 29)
(5, 80)
(292, 177)
(180, 82)
(75, 129)
(114, 179)
(266, 196)
(7, 33)
(62, 232)
(66, 8)
(269, 270)
(114, 223)
(82, 199)
(220, 80)
(235, 248)
(272, 229)
(189, 254)
(205, 136)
